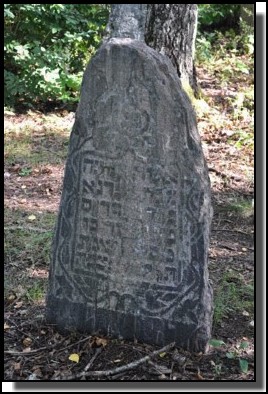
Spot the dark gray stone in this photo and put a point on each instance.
(131, 244)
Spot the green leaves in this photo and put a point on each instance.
(57, 38)
(243, 365)
(218, 15)
(244, 345)
(216, 343)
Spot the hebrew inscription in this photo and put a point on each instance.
(130, 248)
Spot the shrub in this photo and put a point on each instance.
(47, 47)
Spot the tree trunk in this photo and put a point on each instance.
(171, 30)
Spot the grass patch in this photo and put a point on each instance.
(242, 138)
(36, 292)
(27, 254)
(241, 206)
(234, 76)
(232, 295)
(37, 140)
(25, 148)
(22, 244)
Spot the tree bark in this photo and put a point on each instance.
(127, 20)
(171, 30)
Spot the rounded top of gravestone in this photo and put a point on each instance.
(127, 21)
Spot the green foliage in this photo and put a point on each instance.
(223, 31)
(216, 342)
(231, 355)
(243, 365)
(221, 49)
(38, 140)
(232, 295)
(36, 292)
(218, 15)
(242, 138)
(241, 206)
(23, 244)
(47, 47)
(235, 354)
(25, 171)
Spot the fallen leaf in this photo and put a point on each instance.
(245, 313)
(244, 345)
(6, 326)
(11, 297)
(32, 217)
(18, 304)
(16, 366)
(162, 354)
(199, 376)
(38, 372)
(74, 357)
(216, 342)
(101, 341)
(243, 365)
(27, 341)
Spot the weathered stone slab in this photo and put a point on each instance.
(131, 243)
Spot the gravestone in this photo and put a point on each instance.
(131, 244)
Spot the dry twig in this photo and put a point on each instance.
(15, 353)
(25, 228)
(231, 231)
(89, 365)
(122, 368)
(29, 353)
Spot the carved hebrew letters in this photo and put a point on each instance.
(130, 248)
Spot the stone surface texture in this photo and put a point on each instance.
(131, 244)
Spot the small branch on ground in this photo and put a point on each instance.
(222, 174)
(18, 329)
(25, 228)
(15, 353)
(160, 369)
(231, 231)
(89, 365)
(29, 353)
(123, 368)
(76, 343)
